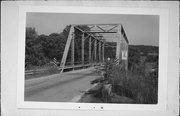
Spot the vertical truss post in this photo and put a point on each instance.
(72, 51)
(127, 57)
(82, 49)
(103, 51)
(68, 42)
(118, 46)
(90, 49)
(99, 51)
(95, 48)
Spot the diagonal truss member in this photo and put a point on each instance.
(97, 40)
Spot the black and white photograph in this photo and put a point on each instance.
(91, 58)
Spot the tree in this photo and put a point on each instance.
(55, 45)
(34, 52)
(40, 49)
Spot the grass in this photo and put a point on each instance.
(138, 85)
(42, 71)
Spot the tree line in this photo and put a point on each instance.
(41, 49)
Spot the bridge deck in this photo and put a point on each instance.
(29, 72)
(60, 87)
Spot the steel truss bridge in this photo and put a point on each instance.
(96, 36)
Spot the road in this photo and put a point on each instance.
(65, 87)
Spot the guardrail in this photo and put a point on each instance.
(28, 72)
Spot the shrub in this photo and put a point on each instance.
(136, 85)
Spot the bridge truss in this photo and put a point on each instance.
(95, 35)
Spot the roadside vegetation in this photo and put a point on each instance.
(41, 49)
(139, 85)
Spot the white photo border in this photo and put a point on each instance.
(163, 58)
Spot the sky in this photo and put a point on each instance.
(140, 29)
